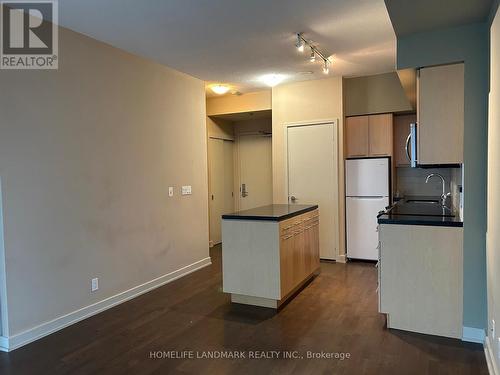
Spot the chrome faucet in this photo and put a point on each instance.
(444, 195)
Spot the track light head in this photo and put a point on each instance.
(326, 69)
(312, 57)
(300, 43)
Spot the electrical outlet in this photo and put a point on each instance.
(170, 191)
(94, 284)
(186, 190)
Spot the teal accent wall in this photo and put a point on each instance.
(469, 44)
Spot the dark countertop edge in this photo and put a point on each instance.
(420, 221)
(270, 218)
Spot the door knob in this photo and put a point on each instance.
(293, 199)
(244, 191)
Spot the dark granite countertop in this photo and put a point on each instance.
(407, 212)
(272, 212)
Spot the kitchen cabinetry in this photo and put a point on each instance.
(299, 250)
(356, 130)
(267, 257)
(421, 278)
(440, 114)
(369, 135)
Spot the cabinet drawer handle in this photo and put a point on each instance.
(287, 237)
(288, 227)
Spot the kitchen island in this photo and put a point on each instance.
(421, 267)
(269, 253)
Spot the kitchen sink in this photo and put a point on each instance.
(422, 207)
(427, 201)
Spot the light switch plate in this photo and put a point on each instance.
(186, 190)
(170, 191)
(498, 346)
(94, 285)
(493, 329)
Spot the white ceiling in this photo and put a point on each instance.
(236, 41)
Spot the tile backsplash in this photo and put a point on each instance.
(411, 181)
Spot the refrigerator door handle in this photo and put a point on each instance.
(368, 197)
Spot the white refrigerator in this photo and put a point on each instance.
(367, 193)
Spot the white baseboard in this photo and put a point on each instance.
(341, 258)
(471, 334)
(490, 358)
(44, 329)
(4, 344)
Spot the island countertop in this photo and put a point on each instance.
(272, 212)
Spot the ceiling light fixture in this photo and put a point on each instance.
(272, 79)
(219, 89)
(326, 70)
(301, 42)
(312, 57)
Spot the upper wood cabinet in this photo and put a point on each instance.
(440, 114)
(369, 135)
(380, 135)
(356, 136)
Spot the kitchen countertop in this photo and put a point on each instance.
(272, 212)
(408, 213)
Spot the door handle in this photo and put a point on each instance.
(244, 191)
(407, 147)
(293, 199)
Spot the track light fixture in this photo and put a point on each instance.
(312, 57)
(302, 42)
(326, 70)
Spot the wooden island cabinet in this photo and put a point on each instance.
(269, 253)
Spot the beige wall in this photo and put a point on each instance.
(493, 233)
(87, 153)
(379, 93)
(303, 102)
(250, 102)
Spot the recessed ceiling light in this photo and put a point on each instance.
(272, 79)
(219, 89)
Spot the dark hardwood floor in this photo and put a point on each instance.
(337, 312)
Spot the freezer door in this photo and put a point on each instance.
(367, 177)
(361, 217)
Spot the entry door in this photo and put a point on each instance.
(256, 178)
(221, 177)
(312, 177)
